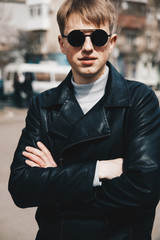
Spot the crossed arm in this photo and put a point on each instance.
(137, 189)
(41, 157)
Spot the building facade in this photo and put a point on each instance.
(138, 29)
(137, 52)
(13, 20)
(43, 27)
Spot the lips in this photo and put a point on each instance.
(87, 60)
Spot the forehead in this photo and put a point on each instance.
(75, 22)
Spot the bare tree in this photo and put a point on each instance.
(8, 35)
(14, 43)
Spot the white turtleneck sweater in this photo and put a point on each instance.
(87, 96)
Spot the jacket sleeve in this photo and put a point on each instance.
(138, 188)
(34, 186)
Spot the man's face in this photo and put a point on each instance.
(87, 61)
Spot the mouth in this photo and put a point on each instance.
(87, 60)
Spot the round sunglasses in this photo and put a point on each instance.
(76, 38)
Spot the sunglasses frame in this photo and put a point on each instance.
(86, 35)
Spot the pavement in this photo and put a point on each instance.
(16, 223)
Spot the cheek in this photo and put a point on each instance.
(104, 54)
(103, 50)
(71, 54)
(70, 57)
(106, 51)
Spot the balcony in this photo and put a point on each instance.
(38, 15)
(131, 22)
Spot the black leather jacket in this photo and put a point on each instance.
(124, 123)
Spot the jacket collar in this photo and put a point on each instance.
(116, 95)
(67, 119)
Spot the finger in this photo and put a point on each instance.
(41, 154)
(34, 158)
(37, 153)
(45, 150)
(31, 163)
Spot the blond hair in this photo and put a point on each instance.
(97, 12)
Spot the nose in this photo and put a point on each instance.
(87, 46)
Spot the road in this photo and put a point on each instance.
(15, 223)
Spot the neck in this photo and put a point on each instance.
(88, 78)
(89, 94)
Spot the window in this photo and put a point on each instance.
(9, 75)
(32, 11)
(60, 77)
(39, 10)
(131, 38)
(150, 15)
(40, 76)
(148, 40)
(35, 10)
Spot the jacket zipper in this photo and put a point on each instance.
(71, 145)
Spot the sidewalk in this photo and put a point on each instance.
(15, 223)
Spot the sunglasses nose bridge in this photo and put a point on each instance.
(87, 35)
(87, 43)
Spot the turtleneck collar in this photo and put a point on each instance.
(89, 94)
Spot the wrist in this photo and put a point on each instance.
(100, 170)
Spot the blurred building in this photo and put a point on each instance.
(137, 52)
(28, 28)
(43, 27)
(138, 46)
(13, 20)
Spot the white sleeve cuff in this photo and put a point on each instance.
(96, 181)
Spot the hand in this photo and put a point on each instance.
(39, 157)
(110, 169)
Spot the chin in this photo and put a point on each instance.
(90, 77)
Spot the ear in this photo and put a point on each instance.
(113, 40)
(61, 44)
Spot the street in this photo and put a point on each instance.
(15, 223)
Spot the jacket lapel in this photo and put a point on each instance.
(92, 125)
(63, 121)
(67, 118)
(63, 108)
(117, 93)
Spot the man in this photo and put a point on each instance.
(88, 157)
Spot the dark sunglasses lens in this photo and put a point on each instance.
(99, 37)
(76, 38)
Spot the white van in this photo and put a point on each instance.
(45, 75)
